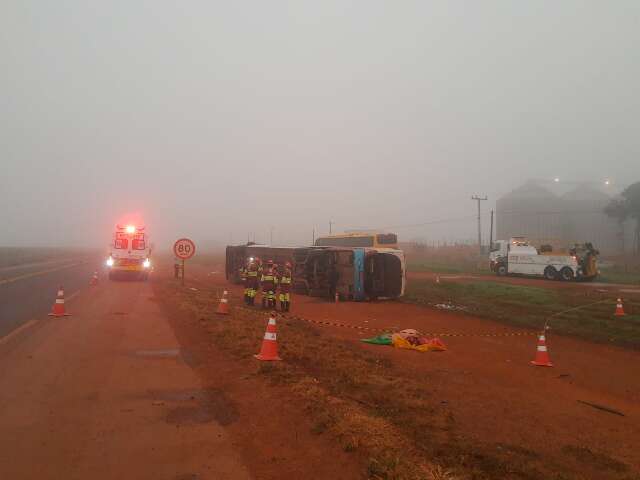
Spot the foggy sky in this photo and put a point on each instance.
(215, 119)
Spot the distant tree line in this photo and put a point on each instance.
(625, 207)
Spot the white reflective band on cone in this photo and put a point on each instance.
(270, 336)
(272, 321)
(59, 300)
(223, 300)
(542, 338)
(60, 293)
(542, 348)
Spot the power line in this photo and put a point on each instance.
(430, 222)
(559, 212)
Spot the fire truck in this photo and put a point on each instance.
(129, 252)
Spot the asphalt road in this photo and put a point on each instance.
(105, 393)
(28, 291)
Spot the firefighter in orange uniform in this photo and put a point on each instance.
(284, 281)
(268, 283)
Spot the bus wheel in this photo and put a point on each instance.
(550, 273)
(501, 270)
(566, 274)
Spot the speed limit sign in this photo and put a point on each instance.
(184, 248)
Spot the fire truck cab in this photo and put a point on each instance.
(129, 252)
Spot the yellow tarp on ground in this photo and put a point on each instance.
(433, 345)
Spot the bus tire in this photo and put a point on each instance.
(501, 270)
(566, 274)
(550, 273)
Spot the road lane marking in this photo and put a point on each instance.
(16, 331)
(35, 274)
(30, 323)
(73, 295)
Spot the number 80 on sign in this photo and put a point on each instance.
(184, 248)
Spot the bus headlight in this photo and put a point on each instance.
(146, 263)
(110, 262)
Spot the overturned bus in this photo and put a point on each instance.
(353, 273)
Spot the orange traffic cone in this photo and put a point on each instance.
(58, 308)
(437, 278)
(542, 356)
(269, 350)
(94, 279)
(223, 306)
(619, 309)
(337, 297)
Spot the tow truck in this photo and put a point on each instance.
(129, 252)
(517, 256)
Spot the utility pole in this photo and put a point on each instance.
(330, 225)
(313, 242)
(491, 233)
(271, 236)
(479, 199)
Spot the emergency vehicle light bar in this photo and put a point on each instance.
(130, 228)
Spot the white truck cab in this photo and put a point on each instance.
(129, 252)
(518, 256)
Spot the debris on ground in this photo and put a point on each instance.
(384, 339)
(413, 340)
(449, 306)
(409, 339)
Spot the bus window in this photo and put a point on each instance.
(387, 238)
(363, 241)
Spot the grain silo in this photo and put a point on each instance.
(586, 221)
(531, 211)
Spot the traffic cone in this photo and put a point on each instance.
(269, 350)
(542, 356)
(619, 309)
(337, 297)
(58, 308)
(437, 278)
(94, 279)
(223, 306)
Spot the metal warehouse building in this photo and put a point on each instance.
(559, 218)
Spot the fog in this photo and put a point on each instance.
(219, 120)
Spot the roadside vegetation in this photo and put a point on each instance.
(532, 307)
(465, 259)
(383, 415)
(11, 256)
(624, 274)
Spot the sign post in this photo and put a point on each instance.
(184, 249)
